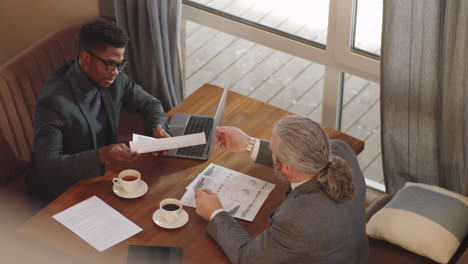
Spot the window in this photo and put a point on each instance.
(360, 118)
(321, 62)
(299, 19)
(268, 75)
(368, 26)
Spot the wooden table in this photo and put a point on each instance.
(168, 177)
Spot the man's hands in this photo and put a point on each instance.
(207, 202)
(232, 139)
(119, 156)
(159, 132)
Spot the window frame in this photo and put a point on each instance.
(337, 56)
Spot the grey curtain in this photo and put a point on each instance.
(424, 93)
(154, 48)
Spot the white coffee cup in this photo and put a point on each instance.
(170, 209)
(128, 180)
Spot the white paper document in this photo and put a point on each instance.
(144, 144)
(97, 223)
(241, 195)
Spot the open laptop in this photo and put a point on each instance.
(185, 124)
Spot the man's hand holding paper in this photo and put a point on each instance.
(144, 144)
(159, 132)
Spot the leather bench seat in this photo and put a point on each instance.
(21, 80)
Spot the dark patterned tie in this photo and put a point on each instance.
(95, 106)
(99, 119)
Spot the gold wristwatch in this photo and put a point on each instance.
(250, 146)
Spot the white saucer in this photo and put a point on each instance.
(142, 189)
(180, 221)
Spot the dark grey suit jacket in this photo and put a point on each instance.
(65, 148)
(308, 227)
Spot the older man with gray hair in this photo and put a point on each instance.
(322, 220)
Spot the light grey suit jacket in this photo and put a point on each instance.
(308, 227)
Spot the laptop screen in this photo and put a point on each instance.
(218, 118)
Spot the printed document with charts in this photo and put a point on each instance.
(241, 195)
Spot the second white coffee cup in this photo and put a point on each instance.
(128, 180)
(170, 209)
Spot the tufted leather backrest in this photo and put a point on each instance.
(22, 78)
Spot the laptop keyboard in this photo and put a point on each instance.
(196, 124)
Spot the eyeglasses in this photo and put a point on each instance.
(111, 65)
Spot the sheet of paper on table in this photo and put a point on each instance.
(145, 144)
(241, 195)
(97, 223)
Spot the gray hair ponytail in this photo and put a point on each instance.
(337, 181)
(305, 145)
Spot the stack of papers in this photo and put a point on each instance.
(144, 144)
(97, 223)
(241, 195)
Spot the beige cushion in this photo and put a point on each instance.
(424, 219)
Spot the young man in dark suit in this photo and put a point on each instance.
(77, 114)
